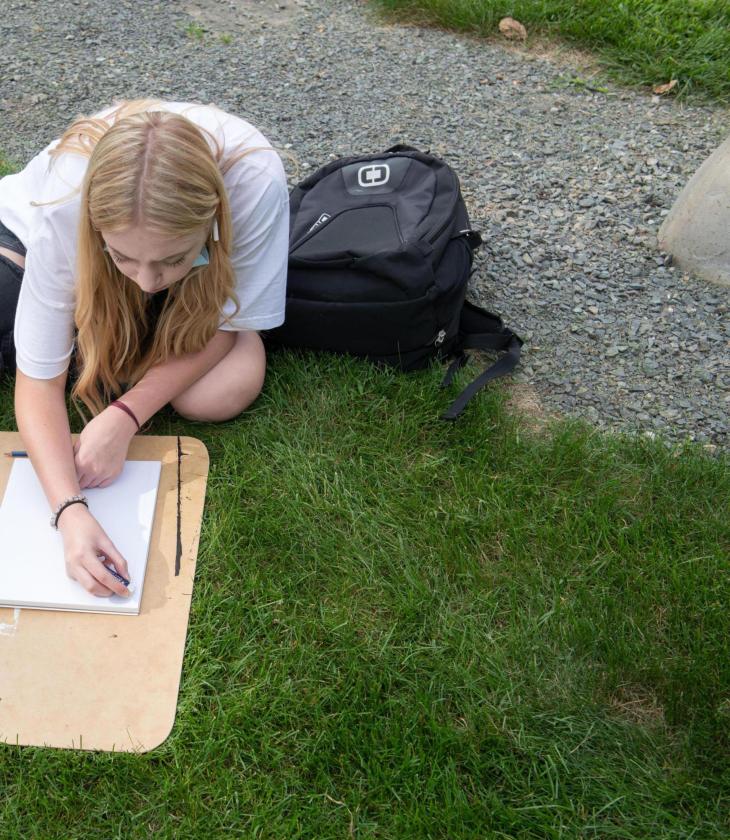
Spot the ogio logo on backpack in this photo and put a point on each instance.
(374, 175)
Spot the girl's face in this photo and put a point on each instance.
(153, 261)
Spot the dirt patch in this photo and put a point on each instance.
(638, 705)
(585, 64)
(219, 17)
(524, 403)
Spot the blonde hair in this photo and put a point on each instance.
(156, 168)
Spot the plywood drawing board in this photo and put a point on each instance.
(110, 682)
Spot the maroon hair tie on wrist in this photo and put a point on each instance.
(127, 410)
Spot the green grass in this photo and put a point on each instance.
(195, 31)
(406, 628)
(5, 167)
(645, 42)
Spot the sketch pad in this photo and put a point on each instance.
(101, 681)
(32, 569)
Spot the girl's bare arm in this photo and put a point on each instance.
(102, 446)
(40, 410)
(165, 381)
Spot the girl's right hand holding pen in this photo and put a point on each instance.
(84, 540)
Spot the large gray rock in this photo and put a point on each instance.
(697, 230)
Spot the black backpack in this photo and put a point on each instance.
(380, 254)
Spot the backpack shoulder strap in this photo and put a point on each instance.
(481, 330)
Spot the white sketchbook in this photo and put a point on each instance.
(32, 568)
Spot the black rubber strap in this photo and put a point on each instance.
(455, 366)
(502, 366)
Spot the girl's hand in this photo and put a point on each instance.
(84, 541)
(101, 448)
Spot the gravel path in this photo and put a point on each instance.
(567, 185)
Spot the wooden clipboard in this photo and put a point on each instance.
(110, 682)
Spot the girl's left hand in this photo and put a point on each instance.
(101, 449)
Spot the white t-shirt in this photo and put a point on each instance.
(259, 200)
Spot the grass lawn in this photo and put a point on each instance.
(405, 628)
(646, 42)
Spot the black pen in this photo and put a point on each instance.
(115, 574)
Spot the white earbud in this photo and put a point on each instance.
(216, 237)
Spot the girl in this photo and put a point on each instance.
(158, 232)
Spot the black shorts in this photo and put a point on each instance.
(9, 240)
(11, 276)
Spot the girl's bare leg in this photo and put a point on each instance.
(228, 388)
(18, 259)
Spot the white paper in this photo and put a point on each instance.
(32, 567)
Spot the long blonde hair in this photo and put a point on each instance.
(150, 167)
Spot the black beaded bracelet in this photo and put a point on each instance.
(74, 500)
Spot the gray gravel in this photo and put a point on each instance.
(567, 185)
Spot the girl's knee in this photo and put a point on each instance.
(239, 397)
(230, 387)
(214, 413)
(216, 407)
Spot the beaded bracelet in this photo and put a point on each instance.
(73, 500)
(125, 408)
